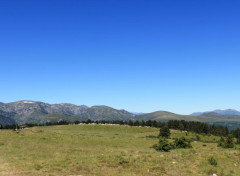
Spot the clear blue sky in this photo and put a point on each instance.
(180, 56)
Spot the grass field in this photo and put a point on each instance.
(108, 150)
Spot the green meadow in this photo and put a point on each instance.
(104, 150)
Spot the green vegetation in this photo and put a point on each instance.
(228, 142)
(110, 150)
(163, 145)
(212, 161)
(182, 143)
(165, 132)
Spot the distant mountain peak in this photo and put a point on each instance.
(25, 101)
(70, 104)
(28, 102)
(138, 113)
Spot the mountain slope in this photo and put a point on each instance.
(165, 116)
(5, 118)
(106, 113)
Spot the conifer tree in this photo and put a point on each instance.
(165, 132)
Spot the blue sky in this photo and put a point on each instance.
(142, 56)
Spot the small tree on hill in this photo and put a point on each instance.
(130, 123)
(136, 123)
(143, 123)
(229, 142)
(165, 132)
(221, 142)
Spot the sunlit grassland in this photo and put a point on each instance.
(108, 150)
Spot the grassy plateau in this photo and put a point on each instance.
(105, 150)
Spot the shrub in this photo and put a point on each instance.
(221, 142)
(122, 160)
(212, 161)
(229, 142)
(165, 132)
(226, 143)
(182, 143)
(163, 145)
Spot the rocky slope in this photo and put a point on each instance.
(5, 118)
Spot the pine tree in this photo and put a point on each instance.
(180, 126)
(130, 123)
(165, 132)
(229, 143)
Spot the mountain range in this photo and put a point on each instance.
(22, 112)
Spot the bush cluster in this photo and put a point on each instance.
(227, 142)
(165, 146)
(182, 143)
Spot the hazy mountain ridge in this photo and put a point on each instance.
(231, 121)
(218, 111)
(38, 112)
